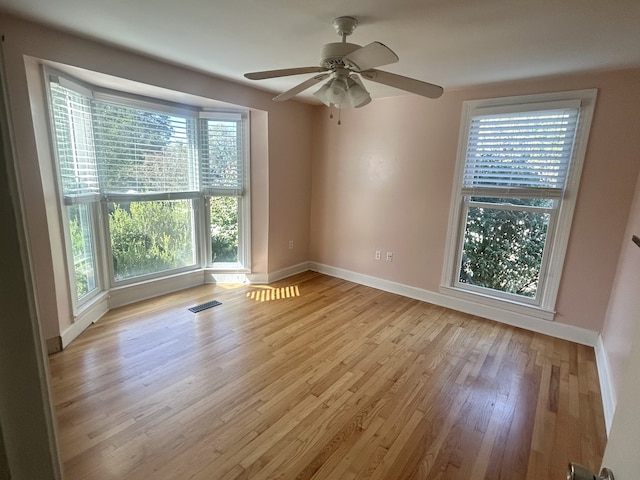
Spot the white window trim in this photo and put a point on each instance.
(558, 240)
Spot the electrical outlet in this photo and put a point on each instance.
(378, 255)
(290, 244)
(389, 256)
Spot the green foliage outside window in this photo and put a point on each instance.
(80, 267)
(149, 237)
(224, 229)
(503, 248)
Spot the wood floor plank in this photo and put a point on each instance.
(317, 377)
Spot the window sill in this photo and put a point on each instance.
(220, 274)
(227, 267)
(500, 304)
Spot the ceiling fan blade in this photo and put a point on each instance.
(403, 83)
(370, 56)
(283, 73)
(301, 87)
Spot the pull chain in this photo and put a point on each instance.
(331, 113)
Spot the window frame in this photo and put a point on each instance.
(560, 222)
(243, 265)
(467, 202)
(196, 214)
(91, 200)
(194, 196)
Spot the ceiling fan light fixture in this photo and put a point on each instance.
(349, 63)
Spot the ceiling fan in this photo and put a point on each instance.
(344, 63)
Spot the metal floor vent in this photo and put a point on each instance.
(204, 306)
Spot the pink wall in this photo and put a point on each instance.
(376, 180)
(623, 312)
(382, 181)
(290, 186)
(280, 169)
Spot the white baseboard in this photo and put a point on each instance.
(527, 322)
(609, 400)
(54, 345)
(89, 315)
(142, 291)
(266, 278)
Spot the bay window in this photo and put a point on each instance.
(150, 188)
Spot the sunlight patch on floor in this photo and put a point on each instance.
(268, 294)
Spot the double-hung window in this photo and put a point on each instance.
(224, 177)
(517, 176)
(148, 171)
(79, 185)
(150, 188)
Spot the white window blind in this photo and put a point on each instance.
(71, 112)
(521, 153)
(110, 147)
(142, 151)
(221, 154)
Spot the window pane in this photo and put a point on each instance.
(503, 249)
(224, 229)
(151, 237)
(81, 234)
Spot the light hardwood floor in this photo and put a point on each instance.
(317, 377)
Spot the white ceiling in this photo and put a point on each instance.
(452, 43)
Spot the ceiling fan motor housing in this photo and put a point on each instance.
(333, 53)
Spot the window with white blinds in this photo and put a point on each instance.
(523, 153)
(71, 113)
(517, 174)
(117, 149)
(221, 150)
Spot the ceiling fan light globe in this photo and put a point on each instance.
(358, 96)
(365, 101)
(337, 91)
(321, 94)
